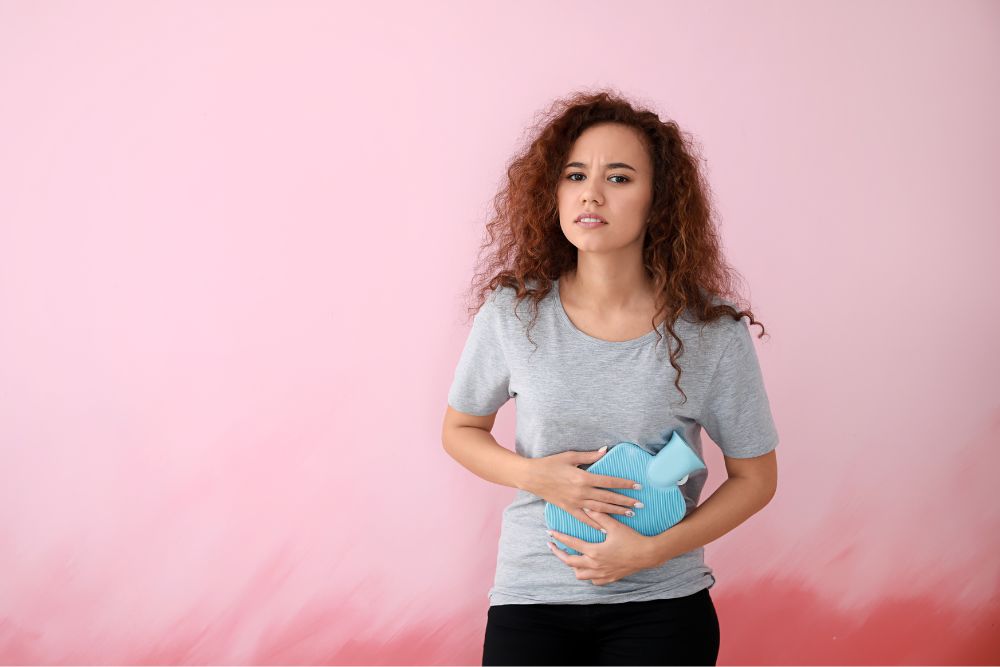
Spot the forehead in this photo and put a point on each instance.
(610, 142)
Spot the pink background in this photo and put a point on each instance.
(234, 243)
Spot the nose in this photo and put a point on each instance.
(590, 193)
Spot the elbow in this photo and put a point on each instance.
(760, 473)
(769, 487)
(762, 488)
(771, 491)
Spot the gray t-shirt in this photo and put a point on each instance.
(578, 392)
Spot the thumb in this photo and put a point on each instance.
(589, 457)
(601, 518)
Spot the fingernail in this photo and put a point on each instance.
(637, 486)
(549, 532)
(603, 448)
(604, 531)
(639, 504)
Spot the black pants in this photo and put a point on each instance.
(675, 631)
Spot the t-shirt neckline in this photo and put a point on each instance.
(599, 342)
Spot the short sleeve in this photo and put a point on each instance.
(481, 384)
(737, 413)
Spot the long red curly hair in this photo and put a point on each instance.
(526, 249)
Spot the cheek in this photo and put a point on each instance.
(562, 194)
(637, 199)
(565, 202)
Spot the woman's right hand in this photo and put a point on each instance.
(557, 479)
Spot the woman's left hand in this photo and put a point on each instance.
(622, 552)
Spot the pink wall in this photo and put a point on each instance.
(234, 239)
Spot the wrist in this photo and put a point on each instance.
(659, 548)
(523, 475)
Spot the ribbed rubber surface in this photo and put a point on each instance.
(664, 507)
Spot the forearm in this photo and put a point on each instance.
(735, 501)
(479, 451)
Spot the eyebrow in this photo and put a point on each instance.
(612, 165)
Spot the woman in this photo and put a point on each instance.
(604, 231)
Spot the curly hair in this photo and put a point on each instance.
(681, 250)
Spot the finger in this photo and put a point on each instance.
(587, 572)
(590, 456)
(605, 508)
(619, 501)
(582, 517)
(572, 561)
(608, 522)
(582, 546)
(600, 517)
(609, 482)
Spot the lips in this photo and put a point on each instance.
(590, 215)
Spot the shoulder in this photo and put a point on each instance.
(499, 300)
(714, 336)
(504, 300)
(498, 306)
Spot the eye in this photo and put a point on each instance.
(626, 179)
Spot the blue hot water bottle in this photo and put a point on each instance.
(660, 477)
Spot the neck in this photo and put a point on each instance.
(608, 288)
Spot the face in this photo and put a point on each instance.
(608, 172)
